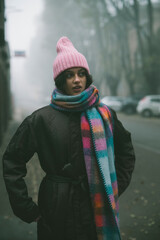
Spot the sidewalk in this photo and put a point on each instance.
(140, 204)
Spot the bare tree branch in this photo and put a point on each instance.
(124, 11)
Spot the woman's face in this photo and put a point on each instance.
(75, 81)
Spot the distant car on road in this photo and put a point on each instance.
(149, 106)
(114, 102)
(130, 104)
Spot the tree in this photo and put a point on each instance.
(147, 45)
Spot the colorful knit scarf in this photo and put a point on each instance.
(97, 139)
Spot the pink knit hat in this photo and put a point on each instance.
(67, 57)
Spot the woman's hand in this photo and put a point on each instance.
(37, 219)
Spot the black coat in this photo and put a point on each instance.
(64, 201)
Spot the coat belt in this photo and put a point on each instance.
(75, 182)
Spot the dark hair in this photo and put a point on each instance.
(61, 80)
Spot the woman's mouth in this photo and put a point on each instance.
(77, 89)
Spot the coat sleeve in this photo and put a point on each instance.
(124, 154)
(19, 151)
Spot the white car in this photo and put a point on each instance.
(114, 102)
(149, 106)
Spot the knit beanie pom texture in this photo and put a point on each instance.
(67, 57)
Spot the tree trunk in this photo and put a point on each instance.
(150, 25)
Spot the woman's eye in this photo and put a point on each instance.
(69, 75)
(81, 74)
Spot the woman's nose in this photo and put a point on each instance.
(76, 79)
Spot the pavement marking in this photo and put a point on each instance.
(147, 148)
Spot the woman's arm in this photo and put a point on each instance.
(124, 154)
(19, 151)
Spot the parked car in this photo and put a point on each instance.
(130, 104)
(114, 102)
(149, 106)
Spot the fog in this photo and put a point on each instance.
(121, 47)
(120, 40)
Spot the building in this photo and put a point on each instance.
(5, 103)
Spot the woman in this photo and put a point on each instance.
(84, 151)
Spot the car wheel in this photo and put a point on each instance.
(147, 113)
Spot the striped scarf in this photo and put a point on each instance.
(98, 148)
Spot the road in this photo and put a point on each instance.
(145, 131)
(139, 205)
